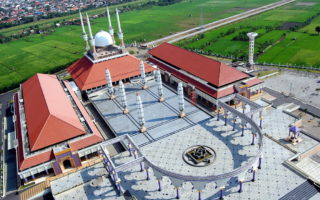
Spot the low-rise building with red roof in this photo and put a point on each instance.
(204, 78)
(53, 129)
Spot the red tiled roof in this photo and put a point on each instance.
(205, 68)
(50, 116)
(30, 161)
(89, 75)
(253, 82)
(24, 163)
(88, 141)
(204, 88)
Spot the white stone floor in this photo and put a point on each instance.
(161, 118)
(164, 143)
(276, 123)
(273, 180)
(86, 184)
(74, 179)
(302, 86)
(231, 149)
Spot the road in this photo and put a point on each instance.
(10, 159)
(201, 29)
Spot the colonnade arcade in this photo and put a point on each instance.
(199, 182)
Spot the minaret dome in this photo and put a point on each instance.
(103, 39)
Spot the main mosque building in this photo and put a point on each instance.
(56, 132)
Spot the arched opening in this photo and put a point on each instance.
(67, 164)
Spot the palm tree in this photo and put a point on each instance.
(317, 29)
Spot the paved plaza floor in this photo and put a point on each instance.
(87, 184)
(300, 85)
(161, 118)
(273, 181)
(168, 136)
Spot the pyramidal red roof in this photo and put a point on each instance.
(212, 71)
(89, 75)
(49, 119)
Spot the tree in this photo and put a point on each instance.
(317, 29)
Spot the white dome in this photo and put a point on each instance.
(103, 39)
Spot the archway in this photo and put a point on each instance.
(67, 164)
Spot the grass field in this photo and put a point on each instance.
(22, 58)
(277, 41)
(46, 22)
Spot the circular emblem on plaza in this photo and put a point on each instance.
(199, 155)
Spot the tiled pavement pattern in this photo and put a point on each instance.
(88, 184)
(161, 118)
(273, 181)
(304, 191)
(164, 144)
(275, 124)
(231, 149)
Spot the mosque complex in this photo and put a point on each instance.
(177, 125)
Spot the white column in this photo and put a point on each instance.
(123, 98)
(120, 34)
(159, 83)
(109, 85)
(143, 75)
(92, 42)
(141, 115)
(110, 25)
(251, 36)
(181, 100)
(84, 34)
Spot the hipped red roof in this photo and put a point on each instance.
(27, 162)
(50, 116)
(212, 71)
(204, 88)
(89, 75)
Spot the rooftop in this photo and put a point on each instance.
(88, 74)
(47, 115)
(212, 71)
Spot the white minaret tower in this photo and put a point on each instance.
(123, 98)
(141, 115)
(159, 83)
(143, 76)
(251, 36)
(92, 42)
(181, 100)
(120, 34)
(84, 34)
(109, 85)
(110, 25)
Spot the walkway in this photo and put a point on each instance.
(281, 99)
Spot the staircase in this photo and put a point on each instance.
(303, 192)
(34, 190)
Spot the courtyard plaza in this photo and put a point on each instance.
(276, 123)
(90, 183)
(161, 119)
(168, 136)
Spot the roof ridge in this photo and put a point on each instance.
(219, 73)
(217, 61)
(90, 69)
(42, 92)
(35, 142)
(65, 122)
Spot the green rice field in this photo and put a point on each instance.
(22, 58)
(286, 36)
